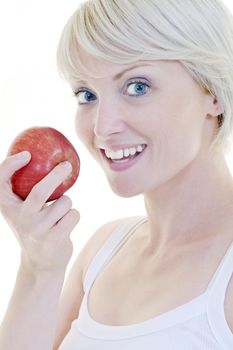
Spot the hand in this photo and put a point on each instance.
(42, 230)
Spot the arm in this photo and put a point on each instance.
(43, 234)
(69, 302)
(30, 319)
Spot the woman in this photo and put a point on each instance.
(154, 86)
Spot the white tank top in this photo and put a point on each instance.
(199, 324)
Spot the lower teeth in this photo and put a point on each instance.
(120, 160)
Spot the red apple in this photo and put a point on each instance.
(48, 147)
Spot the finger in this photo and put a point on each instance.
(7, 169)
(43, 189)
(7, 198)
(13, 163)
(54, 212)
(66, 225)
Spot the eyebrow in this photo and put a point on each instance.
(119, 75)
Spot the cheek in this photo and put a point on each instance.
(174, 128)
(83, 130)
(181, 134)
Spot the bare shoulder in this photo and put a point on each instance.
(72, 293)
(97, 240)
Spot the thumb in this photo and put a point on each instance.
(13, 163)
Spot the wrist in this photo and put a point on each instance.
(36, 276)
(36, 270)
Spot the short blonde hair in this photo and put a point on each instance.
(198, 33)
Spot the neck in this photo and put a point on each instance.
(194, 204)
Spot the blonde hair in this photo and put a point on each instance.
(198, 33)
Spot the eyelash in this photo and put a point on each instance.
(136, 81)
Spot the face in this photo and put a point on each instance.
(154, 109)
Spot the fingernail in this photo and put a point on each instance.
(25, 155)
(67, 164)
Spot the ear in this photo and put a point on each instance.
(214, 106)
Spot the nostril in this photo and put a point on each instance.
(106, 126)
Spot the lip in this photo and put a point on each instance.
(121, 166)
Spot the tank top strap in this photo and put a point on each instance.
(216, 301)
(222, 275)
(114, 242)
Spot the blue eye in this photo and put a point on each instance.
(84, 96)
(137, 88)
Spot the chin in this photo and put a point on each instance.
(125, 191)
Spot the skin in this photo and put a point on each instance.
(43, 233)
(187, 190)
(187, 194)
(177, 120)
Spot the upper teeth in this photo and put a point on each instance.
(124, 152)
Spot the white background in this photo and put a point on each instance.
(31, 93)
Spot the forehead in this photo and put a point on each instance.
(90, 68)
(89, 65)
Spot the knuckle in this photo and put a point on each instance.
(75, 213)
(68, 202)
(55, 177)
(26, 224)
(37, 193)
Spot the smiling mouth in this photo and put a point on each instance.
(124, 160)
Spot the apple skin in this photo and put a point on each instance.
(48, 147)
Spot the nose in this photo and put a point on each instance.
(108, 120)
